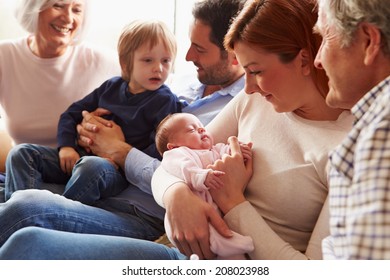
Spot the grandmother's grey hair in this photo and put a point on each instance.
(346, 15)
(27, 13)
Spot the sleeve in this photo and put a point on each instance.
(161, 181)
(368, 200)
(67, 133)
(245, 220)
(181, 163)
(139, 169)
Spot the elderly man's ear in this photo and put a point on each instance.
(371, 40)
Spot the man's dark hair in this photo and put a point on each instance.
(218, 14)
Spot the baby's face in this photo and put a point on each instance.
(188, 131)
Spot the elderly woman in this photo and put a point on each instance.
(43, 73)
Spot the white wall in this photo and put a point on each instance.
(109, 17)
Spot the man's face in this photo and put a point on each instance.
(344, 66)
(213, 65)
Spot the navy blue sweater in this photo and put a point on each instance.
(137, 114)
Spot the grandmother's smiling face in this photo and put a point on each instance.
(57, 26)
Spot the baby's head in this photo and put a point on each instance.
(182, 129)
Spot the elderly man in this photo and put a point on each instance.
(355, 53)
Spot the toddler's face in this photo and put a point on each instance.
(151, 68)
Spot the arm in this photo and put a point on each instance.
(188, 214)
(273, 238)
(190, 228)
(237, 175)
(185, 164)
(367, 194)
(243, 217)
(67, 131)
(106, 139)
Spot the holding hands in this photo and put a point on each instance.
(238, 168)
(213, 179)
(104, 138)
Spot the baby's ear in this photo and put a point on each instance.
(170, 146)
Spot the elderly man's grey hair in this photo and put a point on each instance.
(27, 13)
(346, 15)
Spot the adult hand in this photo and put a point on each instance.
(237, 175)
(90, 123)
(106, 138)
(189, 217)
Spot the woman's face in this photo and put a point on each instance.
(58, 25)
(277, 82)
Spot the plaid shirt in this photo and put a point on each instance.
(359, 182)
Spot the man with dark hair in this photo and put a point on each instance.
(219, 73)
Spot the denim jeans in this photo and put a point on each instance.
(42, 208)
(34, 243)
(32, 166)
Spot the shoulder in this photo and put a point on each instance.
(115, 81)
(165, 93)
(8, 46)
(178, 152)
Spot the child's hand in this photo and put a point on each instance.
(246, 150)
(213, 181)
(68, 158)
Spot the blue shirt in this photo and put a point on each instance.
(138, 115)
(139, 167)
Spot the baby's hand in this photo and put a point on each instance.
(68, 158)
(213, 181)
(246, 150)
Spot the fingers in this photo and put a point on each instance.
(246, 153)
(67, 166)
(219, 224)
(87, 116)
(95, 119)
(235, 148)
(100, 112)
(85, 136)
(215, 183)
(190, 245)
(249, 165)
(218, 173)
(63, 165)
